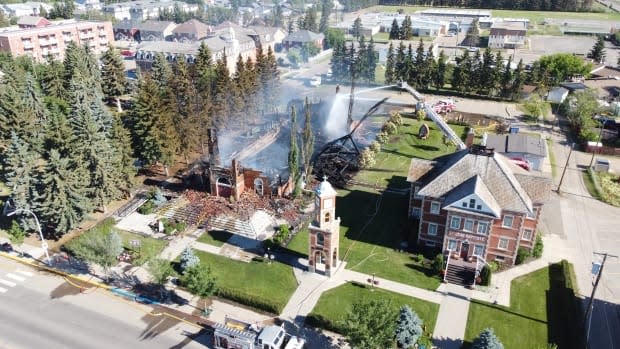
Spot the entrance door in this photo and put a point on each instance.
(464, 249)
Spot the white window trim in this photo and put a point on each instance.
(499, 243)
(486, 228)
(465, 225)
(504, 221)
(455, 219)
(438, 207)
(481, 255)
(428, 229)
(531, 234)
(455, 245)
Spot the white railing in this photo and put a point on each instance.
(477, 271)
(445, 272)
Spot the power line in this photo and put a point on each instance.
(588, 316)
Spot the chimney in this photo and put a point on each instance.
(469, 140)
(213, 147)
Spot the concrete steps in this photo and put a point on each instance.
(459, 275)
(232, 225)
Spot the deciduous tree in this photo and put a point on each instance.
(370, 324)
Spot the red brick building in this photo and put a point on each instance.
(476, 202)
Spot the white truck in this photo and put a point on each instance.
(235, 334)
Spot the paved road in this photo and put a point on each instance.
(42, 311)
(584, 225)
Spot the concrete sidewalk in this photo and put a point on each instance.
(452, 317)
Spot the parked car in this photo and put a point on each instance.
(521, 162)
(315, 81)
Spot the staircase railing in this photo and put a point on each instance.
(477, 271)
(445, 272)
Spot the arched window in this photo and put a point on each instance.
(327, 217)
(320, 239)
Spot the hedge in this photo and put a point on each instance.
(250, 300)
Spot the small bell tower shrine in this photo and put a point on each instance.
(324, 232)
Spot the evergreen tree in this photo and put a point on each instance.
(222, 93)
(310, 22)
(486, 75)
(19, 166)
(371, 61)
(420, 68)
(394, 31)
(123, 156)
(203, 68)
(161, 72)
(307, 139)
(390, 75)
(400, 71)
(183, 106)
(113, 81)
(188, 259)
(472, 38)
(326, 8)
(4, 22)
(460, 75)
(63, 195)
(270, 79)
(53, 79)
(517, 81)
(598, 50)
(487, 340)
(406, 31)
(361, 58)
(506, 79)
(439, 79)
(58, 135)
(408, 328)
(356, 31)
(430, 66)
(293, 156)
(153, 134)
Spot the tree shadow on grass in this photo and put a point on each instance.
(508, 311)
(426, 147)
(447, 343)
(219, 235)
(422, 269)
(563, 315)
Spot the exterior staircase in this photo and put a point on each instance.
(460, 274)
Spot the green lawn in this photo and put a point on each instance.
(552, 160)
(214, 237)
(336, 303)
(603, 186)
(265, 286)
(543, 309)
(148, 247)
(375, 249)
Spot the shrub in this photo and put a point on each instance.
(188, 259)
(382, 137)
(396, 119)
(418, 258)
(485, 275)
(522, 255)
(538, 247)
(158, 198)
(390, 128)
(16, 233)
(147, 207)
(282, 235)
(420, 114)
(494, 266)
(250, 300)
(438, 263)
(366, 158)
(375, 146)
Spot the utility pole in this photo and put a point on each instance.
(588, 316)
(565, 167)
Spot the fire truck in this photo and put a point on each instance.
(235, 334)
(444, 106)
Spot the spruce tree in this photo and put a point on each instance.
(394, 31)
(58, 135)
(184, 108)
(472, 38)
(486, 72)
(356, 31)
(390, 76)
(400, 66)
(371, 61)
(307, 138)
(113, 81)
(429, 68)
(517, 81)
(161, 72)
(408, 328)
(270, 79)
(293, 156)
(238, 95)
(203, 70)
(123, 156)
(506, 79)
(188, 259)
(598, 50)
(439, 80)
(63, 194)
(222, 93)
(326, 8)
(52, 80)
(487, 340)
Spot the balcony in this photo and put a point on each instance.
(53, 41)
(103, 42)
(27, 45)
(67, 38)
(43, 42)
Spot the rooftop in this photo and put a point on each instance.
(517, 143)
(509, 25)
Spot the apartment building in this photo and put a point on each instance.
(142, 10)
(507, 35)
(52, 40)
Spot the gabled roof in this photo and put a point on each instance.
(493, 169)
(474, 185)
(154, 26)
(31, 20)
(303, 36)
(193, 26)
(517, 143)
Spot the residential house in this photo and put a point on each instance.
(150, 30)
(52, 40)
(531, 148)
(476, 202)
(29, 8)
(142, 10)
(89, 4)
(32, 22)
(557, 95)
(302, 37)
(190, 31)
(507, 35)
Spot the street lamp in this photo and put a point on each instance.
(43, 242)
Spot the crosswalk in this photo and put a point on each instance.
(12, 279)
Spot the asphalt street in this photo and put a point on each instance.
(42, 311)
